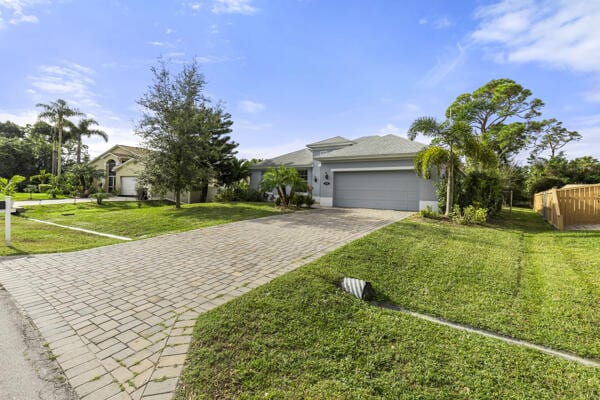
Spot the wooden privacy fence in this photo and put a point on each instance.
(577, 205)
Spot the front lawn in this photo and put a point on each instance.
(150, 219)
(302, 337)
(30, 237)
(34, 196)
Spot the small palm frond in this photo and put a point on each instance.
(427, 126)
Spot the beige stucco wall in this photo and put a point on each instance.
(131, 167)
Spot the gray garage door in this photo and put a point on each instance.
(389, 190)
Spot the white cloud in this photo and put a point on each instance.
(168, 31)
(438, 23)
(561, 34)
(250, 107)
(215, 59)
(589, 128)
(265, 152)
(245, 125)
(175, 54)
(445, 65)
(19, 117)
(157, 43)
(442, 23)
(70, 81)
(116, 135)
(16, 12)
(389, 129)
(233, 7)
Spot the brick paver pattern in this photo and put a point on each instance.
(119, 318)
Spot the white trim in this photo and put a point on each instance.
(424, 203)
(81, 229)
(378, 157)
(406, 168)
(326, 201)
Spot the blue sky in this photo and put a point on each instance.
(295, 71)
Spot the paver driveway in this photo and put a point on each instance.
(120, 317)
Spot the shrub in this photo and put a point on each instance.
(543, 183)
(309, 200)
(278, 202)
(99, 196)
(429, 213)
(298, 200)
(470, 215)
(54, 191)
(481, 190)
(31, 189)
(44, 187)
(238, 192)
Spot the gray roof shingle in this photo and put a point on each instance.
(295, 159)
(333, 141)
(372, 146)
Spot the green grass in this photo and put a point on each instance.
(32, 237)
(34, 196)
(302, 337)
(151, 219)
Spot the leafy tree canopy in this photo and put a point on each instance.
(185, 135)
(499, 113)
(554, 137)
(11, 130)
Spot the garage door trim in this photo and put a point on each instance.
(406, 168)
(365, 169)
(124, 187)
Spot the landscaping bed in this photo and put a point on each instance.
(302, 337)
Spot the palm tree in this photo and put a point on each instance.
(83, 129)
(449, 138)
(280, 178)
(56, 112)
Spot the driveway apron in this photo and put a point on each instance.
(119, 318)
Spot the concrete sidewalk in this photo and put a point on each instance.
(24, 203)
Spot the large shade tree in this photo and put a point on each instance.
(178, 128)
(57, 113)
(500, 114)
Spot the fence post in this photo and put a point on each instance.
(7, 210)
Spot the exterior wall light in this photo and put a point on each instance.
(315, 179)
(326, 175)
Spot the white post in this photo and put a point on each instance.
(7, 209)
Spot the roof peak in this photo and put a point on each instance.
(336, 140)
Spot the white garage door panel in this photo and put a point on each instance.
(394, 190)
(128, 186)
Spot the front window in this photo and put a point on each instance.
(303, 174)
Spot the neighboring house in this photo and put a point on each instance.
(121, 165)
(368, 172)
